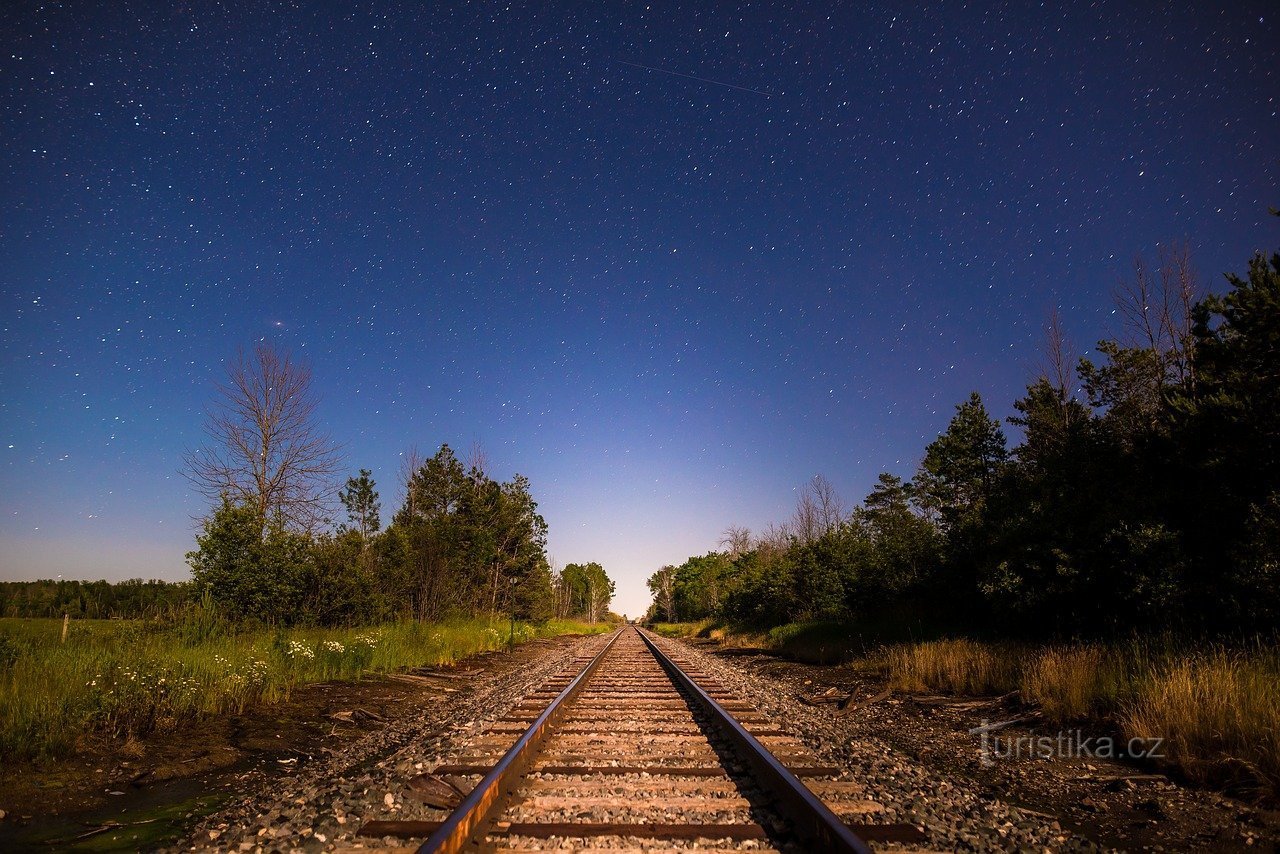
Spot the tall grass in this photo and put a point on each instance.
(132, 678)
(1218, 711)
(1217, 708)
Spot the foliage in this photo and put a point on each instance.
(589, 590)
(462, 545)
(251, 568)
(1144, 491)
(122, 678)
(133, 598)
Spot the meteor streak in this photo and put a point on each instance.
(699, 79)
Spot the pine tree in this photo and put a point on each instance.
(361, 500)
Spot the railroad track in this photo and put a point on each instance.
(627, 747)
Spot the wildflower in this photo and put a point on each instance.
(300, 650)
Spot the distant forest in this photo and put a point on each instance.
(1144, 494)
(461, 545)
(134, 598)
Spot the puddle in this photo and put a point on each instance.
(150, 818)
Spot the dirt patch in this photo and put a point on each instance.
(1118, 804)
(172, 778)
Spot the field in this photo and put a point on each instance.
(126, 679)
(1216, 707)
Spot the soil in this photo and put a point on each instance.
(1118, 804)
(156, 788)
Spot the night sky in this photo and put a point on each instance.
(669, 262)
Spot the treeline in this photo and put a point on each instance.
(461, 543)
(1143, 493)
(131, 599)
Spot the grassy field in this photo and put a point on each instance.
(1216, 707)
(127, 679)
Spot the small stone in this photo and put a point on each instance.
(389, 799)
(214, 834)
(320, 837)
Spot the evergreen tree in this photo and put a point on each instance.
(361, 500)
(960, 468)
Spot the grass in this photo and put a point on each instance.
(131, 678)
(814, 642)
(1217, 708)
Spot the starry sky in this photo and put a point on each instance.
(667, 260)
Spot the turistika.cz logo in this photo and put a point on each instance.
(1069, 744)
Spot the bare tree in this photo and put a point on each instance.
(736, 541)
(819, 510)
(1058, 364)
(1059, 356)
(804, 519)
(1156, 306)
(775, 537)
(829, 503)
(264, 447)
(477, 459)
(411, 462)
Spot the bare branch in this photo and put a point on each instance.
(263, 446)
(1059, 357)
(736, 541)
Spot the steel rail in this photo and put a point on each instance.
(480, 804)
(810, 817)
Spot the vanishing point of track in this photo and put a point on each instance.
(631, 746)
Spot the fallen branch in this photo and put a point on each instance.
(434, 791)
(862, 704)
(103, 828)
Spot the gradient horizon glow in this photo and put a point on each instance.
(668, 301)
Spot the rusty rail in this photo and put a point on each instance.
(479, 805)
(810, 818)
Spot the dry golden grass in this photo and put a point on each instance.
(958, 666)
(1217, 709)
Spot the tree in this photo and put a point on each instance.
(591, 589)
(1228, 424)
(249, 569)
(470, 544)
(662, 584)
(699, 585)
(819, 510)
(264, 448)
(904, 545)
(361, 500)
(960, 467)
(736, 541)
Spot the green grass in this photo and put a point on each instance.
(680, 630)
(130, 678)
